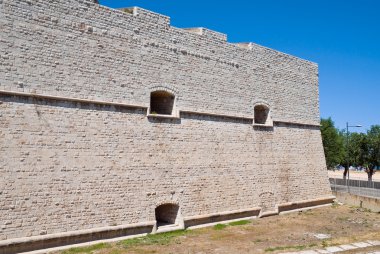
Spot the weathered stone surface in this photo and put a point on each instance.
(362, 244)
(374, 243)
(334, 249)
(348, 247)
(67, 165)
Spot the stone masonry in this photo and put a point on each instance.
(83, 156)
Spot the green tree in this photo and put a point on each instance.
(345, 158)
(332, 143)
(357, 150)
(372, 158)
(363, 150)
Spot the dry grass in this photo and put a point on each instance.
(291, 232)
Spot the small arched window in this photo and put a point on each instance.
(168, 218)
(262, 115)
(167, 214)
(161, 103)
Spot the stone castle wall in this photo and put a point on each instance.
(117, 56)
(78, 151)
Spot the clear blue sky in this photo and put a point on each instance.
(342, 36)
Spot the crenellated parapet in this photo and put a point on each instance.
(207, 33)
(147, 15)
(135, 40)
(244, 45)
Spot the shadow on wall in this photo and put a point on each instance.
(72, 105)
(214, 118)
(164, 120)
(263, 128)
(296, 126)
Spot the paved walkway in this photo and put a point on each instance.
(343, 247)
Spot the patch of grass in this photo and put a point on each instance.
(221, 235)
(359, 209)
(325, 244)
(312, 245)
(151, 239)
(88, 249)
(142, 251)
(116, 251)
(294, 247)
(239, 223)
(220, 226)
(308, 212)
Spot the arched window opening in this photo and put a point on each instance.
(261, 114)
(167, 214)
(161, 102)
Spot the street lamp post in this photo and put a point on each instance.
(348, 156)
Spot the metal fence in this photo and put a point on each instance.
(357, 187)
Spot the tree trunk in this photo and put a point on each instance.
(370, 173)
(345, 172)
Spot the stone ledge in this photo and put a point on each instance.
(61, 98)
(217, 114)
(136, 106)
(81, 236)
(164, 116)
(298, 206)
(291, 206)
(60, 239)
(192, 221)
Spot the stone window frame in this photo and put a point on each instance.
(179, 223)
(269, 120)
(175, 112)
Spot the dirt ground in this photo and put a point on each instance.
(354, 175)
(291, 232)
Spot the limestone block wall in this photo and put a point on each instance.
(121, 56)
(78, 152)
(70, 166)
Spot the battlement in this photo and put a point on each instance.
(130, 38)
(160, 19)
(157, 18)
(244, 45)
(147, 15)
(208, 33)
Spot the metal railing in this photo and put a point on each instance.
(357, 187)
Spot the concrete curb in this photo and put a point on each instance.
(341, 248)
